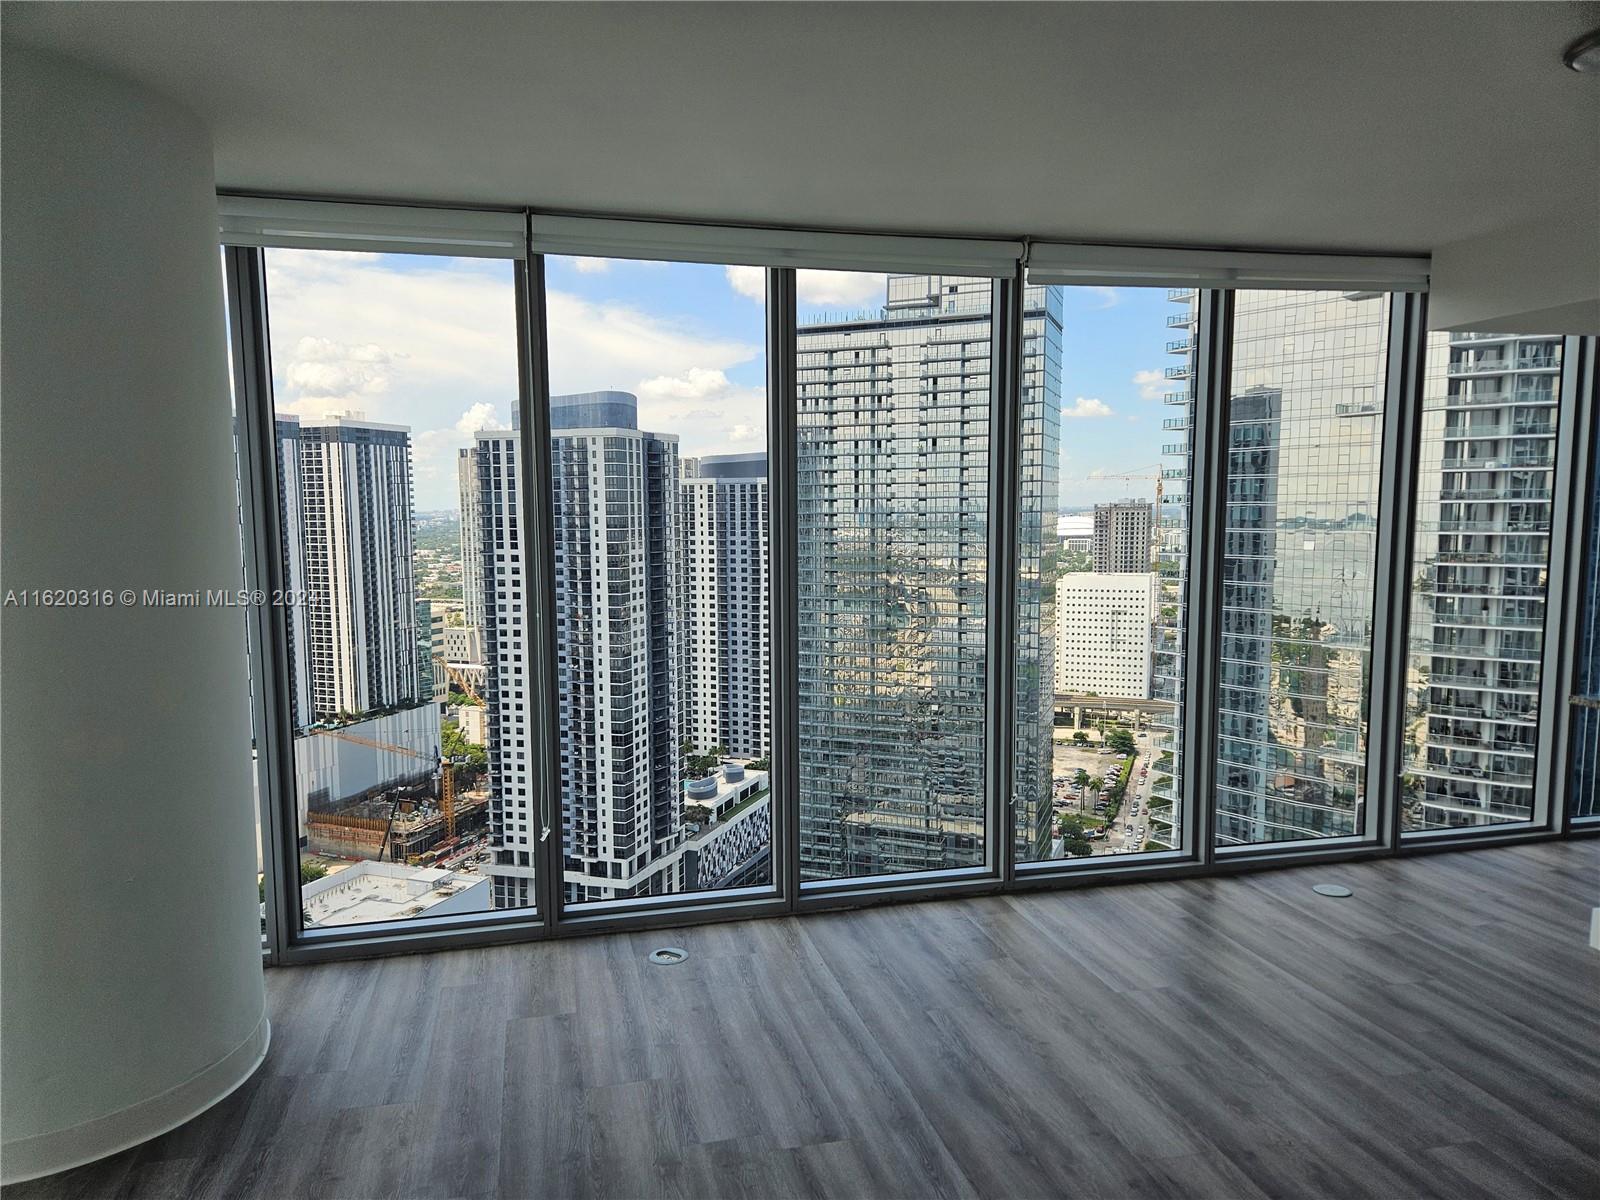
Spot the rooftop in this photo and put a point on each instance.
(378, 891)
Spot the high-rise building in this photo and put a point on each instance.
(1167, 644)
(355, 528)
(618, 579)
(515, 826)
(893, 523)
(1478, 585)
(291, 546)
(1103, 633)
(723, 515)
(1121, 537)
(472, 593)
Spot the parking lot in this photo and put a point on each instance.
(1130, 830)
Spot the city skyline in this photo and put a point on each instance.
(660, 570)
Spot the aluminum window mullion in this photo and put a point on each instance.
(1398, 457)
(783, 580)
(1564, 582)
(266, 624)
(539, 585)
(1005, 492)
(1207, 500)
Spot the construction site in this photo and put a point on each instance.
(403, 824)
(380, 790)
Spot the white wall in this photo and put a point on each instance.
(130, 941)
(1542, 277)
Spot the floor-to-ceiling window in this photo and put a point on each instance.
(1108, 396)
(1479, 572)
(1305, 419)
(417, 577)
(405, 671)
(893, 406)
(659, 494)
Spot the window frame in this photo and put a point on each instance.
(781, 253)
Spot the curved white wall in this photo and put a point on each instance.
(129, 941)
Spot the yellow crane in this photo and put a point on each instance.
(447, 790)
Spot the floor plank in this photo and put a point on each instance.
(1435, 1035)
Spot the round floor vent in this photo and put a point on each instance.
(1332, 889)
(668, 956)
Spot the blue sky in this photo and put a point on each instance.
(429, 343)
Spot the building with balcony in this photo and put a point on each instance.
(1480, 567)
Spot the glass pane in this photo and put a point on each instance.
(661, 534)
(390, 374)
(1478, 578)
(1101, 569)
(892, 497)
(1305, 424)
(1584, 791)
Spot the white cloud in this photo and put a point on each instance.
(749, 282)
(814, 287)
(430, 346)
(693, 384)
(322, 375)
(591, 266)
(1109, 296)
(1151, 384)
(704, 408)
(479, 416)
(841, 287)
(1087, 406)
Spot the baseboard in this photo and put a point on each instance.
(62, 1149)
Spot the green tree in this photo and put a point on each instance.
(466, 755)
(310, 872)
(1074, 837)
(1080, 738)
(1081, 779)
(696, 765)
(1120, 740)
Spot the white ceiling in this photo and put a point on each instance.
(1307, 126)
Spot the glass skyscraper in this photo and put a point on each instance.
(893, 528)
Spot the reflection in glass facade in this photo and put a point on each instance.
(1040, 463)
(1478, 579)
(893, 531)
(1305, 426)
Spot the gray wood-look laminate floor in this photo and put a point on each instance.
(1437, 1034)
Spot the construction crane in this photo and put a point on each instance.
(447, 790)
(1153, 471)
(459, 678)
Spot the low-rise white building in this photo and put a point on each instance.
(1103, 633)
(380, 891)
(473, 721)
